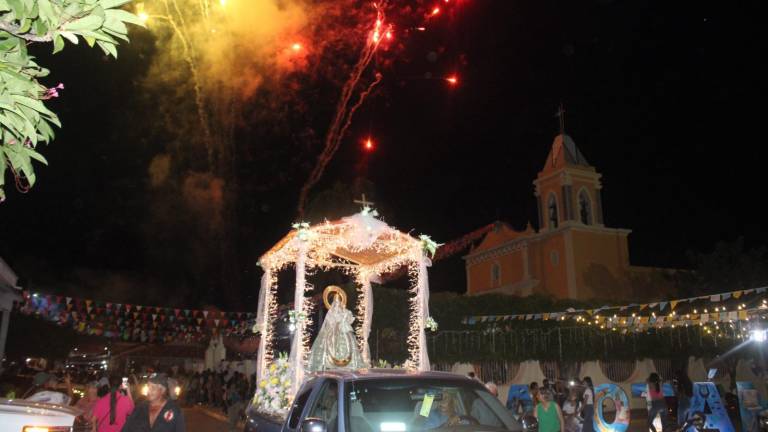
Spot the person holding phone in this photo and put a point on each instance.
(111, 411)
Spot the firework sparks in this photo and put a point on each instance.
(344, 111)
(368, 144)
(381, 30)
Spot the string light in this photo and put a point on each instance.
(361, 246)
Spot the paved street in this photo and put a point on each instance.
(199, 421)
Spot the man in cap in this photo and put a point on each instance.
(159, 413)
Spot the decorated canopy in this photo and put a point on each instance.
(365, 248)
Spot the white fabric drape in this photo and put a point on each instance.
(422, 291)
(261, 321)
(297, 356)
(367, 303)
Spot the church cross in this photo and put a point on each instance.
(363, 202)
(561, 115)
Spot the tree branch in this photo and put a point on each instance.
(14, 30)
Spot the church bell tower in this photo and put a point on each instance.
(567, 189)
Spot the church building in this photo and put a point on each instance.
(572, 255)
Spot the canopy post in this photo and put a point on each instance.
(264, 317)
(299, 321)
(364, 312)
(417, 337)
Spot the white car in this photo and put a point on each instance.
(17, 415)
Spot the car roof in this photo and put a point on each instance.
(362, 374)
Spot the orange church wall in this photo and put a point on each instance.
(480, 277)
(552, 276)
(512, 272)
(601, 261)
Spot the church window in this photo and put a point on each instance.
(496, 274)
(554, 258)
(585, 208)
(552, 210)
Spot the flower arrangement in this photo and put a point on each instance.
(272, 395)
(428, 245)
(302, 228)
(368, 211)
(431, 324)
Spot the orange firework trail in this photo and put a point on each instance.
(344, 109)
(379, 31)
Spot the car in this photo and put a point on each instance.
(17, 415)
(388, 400)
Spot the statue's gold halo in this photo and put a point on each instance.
(340, 295)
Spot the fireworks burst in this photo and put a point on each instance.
(380, 30)
(232, 48)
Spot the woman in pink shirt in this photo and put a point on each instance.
(111, 411)
(658, 405)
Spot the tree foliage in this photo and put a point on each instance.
(25, 121)
(729, 266)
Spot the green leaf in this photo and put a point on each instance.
(2, 170)
(89, 22)
(16, 7)
(58, 43)
(70, 36)
(20, 162)
(35, 155)
(122, 36)
(98, 35)
(47, 15)
(90, 40)
(40, 27)
(108, 48)
(26, 24)
(46, 132)
(32, 103)
(115, 25)
(125, 16)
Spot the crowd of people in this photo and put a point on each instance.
(561, 406)
(225, 390)
(107, 403)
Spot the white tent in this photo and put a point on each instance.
(9, 293)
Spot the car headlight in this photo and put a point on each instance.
(47, 429)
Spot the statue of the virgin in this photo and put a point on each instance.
(335, 346)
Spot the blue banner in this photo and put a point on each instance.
(620, 400)
(519, 396)
(707, 399)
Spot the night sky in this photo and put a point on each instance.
(665, 99)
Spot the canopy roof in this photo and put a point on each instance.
(359, 240)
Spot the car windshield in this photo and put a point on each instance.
(397, 405)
